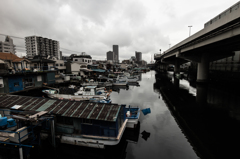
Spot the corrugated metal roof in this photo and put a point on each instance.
(75, 109)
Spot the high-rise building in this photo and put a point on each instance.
(116, 55)
(7, 46)
(60, 55)
(138, 56)
(110, 56)
(36, 45)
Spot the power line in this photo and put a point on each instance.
(12, 36)
(24, 38)
(71, 50)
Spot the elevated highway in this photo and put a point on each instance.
(219, 38)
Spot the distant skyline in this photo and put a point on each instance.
(93, 26)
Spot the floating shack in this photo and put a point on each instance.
(76, 122)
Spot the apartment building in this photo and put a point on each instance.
(36, 45)
(7, 46)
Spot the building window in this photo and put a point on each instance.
(28, 82)
(39, 78)
(16, 84)
(76, 59)
(85, 60)
(82, 60)
(61, 64)
(56, 64)
(1, 83)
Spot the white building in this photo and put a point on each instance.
(72, 68)
(7, 46)
(36, 45)
(82, 59)
(60, 66)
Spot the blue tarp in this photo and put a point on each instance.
(146, 111)
(98, 70)
(3, 121)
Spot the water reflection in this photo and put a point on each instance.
(145, 135)
(212, 129)
(165, 139)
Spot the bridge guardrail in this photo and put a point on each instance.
(157, 56)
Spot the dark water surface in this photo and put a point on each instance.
(166, 138)
(159, 135)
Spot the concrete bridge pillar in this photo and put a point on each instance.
(203, 69)
(176, 71)
(202, 80)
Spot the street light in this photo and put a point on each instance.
(189, 30)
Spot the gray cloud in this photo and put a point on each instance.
(93, 26)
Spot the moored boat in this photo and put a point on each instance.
(132, 114)
(72, 122)
(83, 93)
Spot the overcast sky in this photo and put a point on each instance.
(93, 26)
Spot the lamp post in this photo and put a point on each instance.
(189, 30)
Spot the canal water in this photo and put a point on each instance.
(166, 140)
(158, 134)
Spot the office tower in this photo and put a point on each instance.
(116, 55)
(60, 55)
(36, 45)
(110, 56)
(138, 56)
(7, 46)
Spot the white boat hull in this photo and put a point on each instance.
(90, 141)
(119, 84)
(132, 123)
(75, 97)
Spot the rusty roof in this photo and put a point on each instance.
(75, 109)
(11, 57)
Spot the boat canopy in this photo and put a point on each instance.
(65, 108)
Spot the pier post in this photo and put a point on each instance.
(20, 153)
(203, 69)
(53, 132)
(202, 79)
(176, 71)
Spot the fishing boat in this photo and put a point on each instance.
(98, 84)
(83, 93)
(128, 79)
(132, 114)
(77, 123)
(119, 83)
